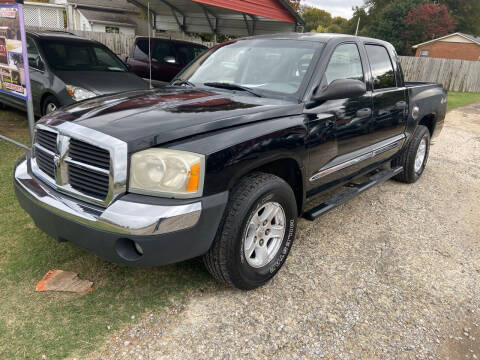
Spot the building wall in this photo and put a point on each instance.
(83, 23)
(452, 50)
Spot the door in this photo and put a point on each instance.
(346, 121)
(389, 96)
(165, 64)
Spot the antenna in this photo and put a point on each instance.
(149, 45)
(358, 25)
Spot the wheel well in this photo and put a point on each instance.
(288, 170)
(429, 122)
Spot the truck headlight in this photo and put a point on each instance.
(169, 173)
(77, 93)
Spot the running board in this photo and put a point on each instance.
(352, 191)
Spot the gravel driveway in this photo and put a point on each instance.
(394, 273)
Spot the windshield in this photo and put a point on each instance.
(270, 66)
(80, 56)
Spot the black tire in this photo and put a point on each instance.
(226, 260)
(48, 101)
(408, 155)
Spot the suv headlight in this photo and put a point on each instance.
(78, 94)
(169, 173)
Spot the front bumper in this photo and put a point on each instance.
(166, 230)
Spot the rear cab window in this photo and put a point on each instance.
(383, 74)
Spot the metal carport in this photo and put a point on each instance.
(229, 17)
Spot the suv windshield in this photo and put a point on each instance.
(80, 56)
(266, 66)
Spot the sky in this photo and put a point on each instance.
(336, 7)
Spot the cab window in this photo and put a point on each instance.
(382, 69)
(345, 63)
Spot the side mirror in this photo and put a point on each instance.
(170, 60)
(341, 89)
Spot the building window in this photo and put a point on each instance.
(424, 53)
(112, 29)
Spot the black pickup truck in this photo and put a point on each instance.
(221, 162)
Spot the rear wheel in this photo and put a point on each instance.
(414, 157)
(49, 105)
(256, 233)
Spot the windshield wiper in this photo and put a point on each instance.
(231, 86)
(181, 82)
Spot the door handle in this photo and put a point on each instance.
(401, 105)
(366, 112)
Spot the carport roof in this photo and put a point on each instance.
(231, 17)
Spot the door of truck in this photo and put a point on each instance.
(390, 102)
(340, 127)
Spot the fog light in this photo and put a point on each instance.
(138, 248)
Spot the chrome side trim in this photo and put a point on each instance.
(122, 217)
(118, 160)
(321, 173)
(395, 142)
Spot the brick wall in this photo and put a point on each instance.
(452, 50)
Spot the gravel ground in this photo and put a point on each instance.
(394, 273)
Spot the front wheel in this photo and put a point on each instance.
(50, 104)
(414, 157)
(256, 233)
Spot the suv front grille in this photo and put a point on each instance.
(63, 158)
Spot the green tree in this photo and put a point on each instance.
(338, 26)
(316, 17)
(390, 24)
(466, 13)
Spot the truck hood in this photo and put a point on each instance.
(149, 118)
(103, 82)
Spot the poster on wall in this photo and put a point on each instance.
(13, 57)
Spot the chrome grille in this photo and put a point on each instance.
(89, 154)
(81, 162)
(47, 139)
(45, 162)
(45, 152)
(88, 182)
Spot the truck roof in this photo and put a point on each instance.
(319, 37)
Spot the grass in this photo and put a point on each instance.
(457, 99)
(61, 325)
